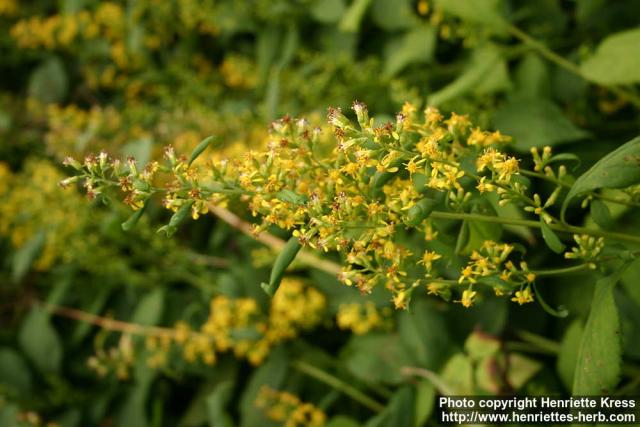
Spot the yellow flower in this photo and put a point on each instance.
(428, 257)
(467, 298)
(524, 296)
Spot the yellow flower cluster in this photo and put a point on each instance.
(8, 7)
(361, 318)
(239, 325)
(238, 72)
(358, 192)
(32, 205)
(287, 408)
(61, 31)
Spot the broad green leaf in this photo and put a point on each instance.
(350, 22)
(272, 373)
(415, 46)
(458, 375)
(599, 357)
(536, 123)
(551, 238)
(149, 310)
(521, 369)
(14, 372)
(393, 15)
(284, 259)
(216, 405)
(399, 410)
(48, 83)
(568, 355)
(601, 214)
(425, 402)
(40, 342)
(480, 346)
(328, 11)
(26, 255)
(616, 60)
(484, 64)
(618, 169)
(376, 358)
(425, 336)
(486, 12)
(629, 281)
(532, 77)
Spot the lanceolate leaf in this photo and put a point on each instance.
(551, 238)
(613, 61)
(286, 257)
(200, 148)
(618, 169)
(599, 358)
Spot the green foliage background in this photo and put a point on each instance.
(130, 77)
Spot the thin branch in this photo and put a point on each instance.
(338, 384)
(272, 241)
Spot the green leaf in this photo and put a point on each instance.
(616, 60)
(425, 335)
(393, 15)
(480, 345)
(134, 218)
(48, 83)
(350, 22)
(26, 255)
(521, 369)
(150, 308)
(618, 169)
(475, 11)
(420, 211)
(532, 77)
(425, 402)
(486, 62)
(328, 11)
(201, 147)
(14, 372)
(40, 342)
(285, 258)
(601, 214)
(551, 238)
(216, 405)
(399, 410)
(599, 357)
(458, 375)
(415, 46)
(375, 357)
(568, 355)
(291, 197)
(629, 281)
(536, 123)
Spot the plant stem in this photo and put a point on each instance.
(535, 224)
(338, 384)
(567, 65)
(272, 241)
(565, 270)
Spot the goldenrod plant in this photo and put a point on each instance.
(314, 212)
